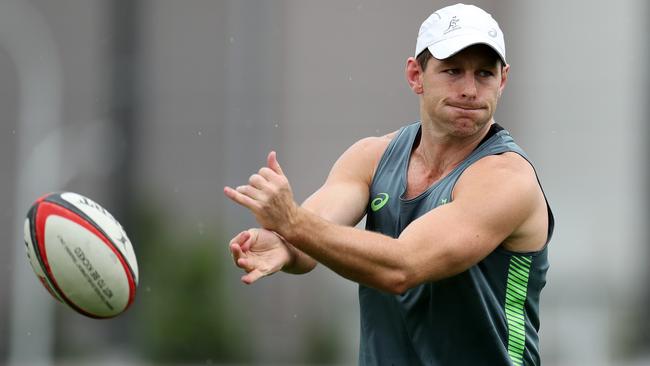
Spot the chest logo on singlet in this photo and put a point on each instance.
(379, 201)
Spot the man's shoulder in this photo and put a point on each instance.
(508, 168)
(373, 145)
(361, 159)
(510, 161)
(381, 142)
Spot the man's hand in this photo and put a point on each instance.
(260, 253)
(268, 196)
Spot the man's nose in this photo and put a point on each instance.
(468, 85)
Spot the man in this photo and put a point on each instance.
(454, 255)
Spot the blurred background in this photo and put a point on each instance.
(150, 107)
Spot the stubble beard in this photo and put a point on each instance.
(463, 126)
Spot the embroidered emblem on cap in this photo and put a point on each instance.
(453, 25)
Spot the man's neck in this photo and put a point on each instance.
(441, 152)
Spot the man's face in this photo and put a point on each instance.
(460, 94)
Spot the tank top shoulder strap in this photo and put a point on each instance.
(400, 147)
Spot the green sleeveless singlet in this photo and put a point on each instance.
(487, 315)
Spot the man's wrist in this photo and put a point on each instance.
(289, 267)
(290, 228)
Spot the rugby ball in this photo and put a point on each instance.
(81, 254)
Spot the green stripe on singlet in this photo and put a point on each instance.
(516, 288)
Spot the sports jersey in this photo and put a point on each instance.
(486, 315)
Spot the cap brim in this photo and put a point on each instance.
(449, 47)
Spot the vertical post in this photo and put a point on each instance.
(124, 99)
(27, 39)
(644, 327)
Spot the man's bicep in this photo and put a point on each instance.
(448, 240)
(488, 208)
(343, 203)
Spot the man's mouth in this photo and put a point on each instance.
(466, 107)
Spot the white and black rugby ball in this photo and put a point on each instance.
(81, 254)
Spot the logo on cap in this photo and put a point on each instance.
(453, 25)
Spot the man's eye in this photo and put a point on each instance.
(452, 71)
(485, 73)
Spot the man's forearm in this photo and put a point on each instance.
(303, 263)
(361, 256)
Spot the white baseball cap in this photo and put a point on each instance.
(456, 27)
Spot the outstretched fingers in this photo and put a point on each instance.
(240, 198)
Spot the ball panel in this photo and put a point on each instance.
(28, 234)
(33, 258)
(103, 219)
(47, 212)
(87, 271)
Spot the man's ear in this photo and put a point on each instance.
(504, 78)
(414, 75)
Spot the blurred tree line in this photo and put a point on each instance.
(184, 313)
